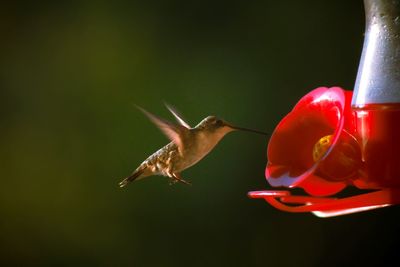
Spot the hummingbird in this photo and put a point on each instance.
(187, 147)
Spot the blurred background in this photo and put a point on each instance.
(70, 75)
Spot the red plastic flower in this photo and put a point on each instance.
(301, 150)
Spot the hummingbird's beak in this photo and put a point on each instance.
(245, 129)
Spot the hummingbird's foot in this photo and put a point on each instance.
(185, 182)
(176, 177)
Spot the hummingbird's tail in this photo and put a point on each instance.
(131, 178)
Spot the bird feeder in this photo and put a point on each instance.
(334, 138)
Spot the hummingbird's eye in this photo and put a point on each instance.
(218, 122)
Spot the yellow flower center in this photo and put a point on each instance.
(321, 147)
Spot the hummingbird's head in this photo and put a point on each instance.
(213, 124)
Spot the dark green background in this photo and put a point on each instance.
(70, 74)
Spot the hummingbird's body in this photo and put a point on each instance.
(188, 146)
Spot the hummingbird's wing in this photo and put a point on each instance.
(177, 116)
(174, 132)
